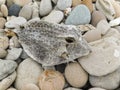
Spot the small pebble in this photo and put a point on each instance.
(45, 7)
(115, 22)
(11, 89)
(13, 53)
(96, 88)
(75, 75)
(51, 80)
(4, 10)
(71, 88)
(2, 2)
(14, 10)
(2, 22)
(4, 42)
(3, 53)
(30, 86)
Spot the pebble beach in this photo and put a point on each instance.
(95, 63)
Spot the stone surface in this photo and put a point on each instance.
(104, 58)
(89, 4)
(15, 22)
(51, 80)
(55, 1)
(27, 75)
(26, 12)
(55, 37)
(30, 86)
(63, 4)
(14, 10)
(96, 88)
(2, 22)
(3, 53)
(35, 10)
(7, 82)
(4, 10)
(96, 17)
(2, 2)
(114, 22)
(9, 67)
(79, 15)
(45, 7)
(76, 2)
(11, 89)
(92, 35)
(13, 53)
(54, 17)
(22, 2)
(109, 82)
(4, 42)
(103, 26)
(107, 8)
(9, 3)
(14, 43)
(75, 75)
(71, 88)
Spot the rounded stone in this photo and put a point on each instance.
(75, 75)
(2, 23)
(96, 17)
(104, 58)
(14, 10)
(7, 82)
(2, 2)
(22, 2)
(51, 80)
(96, 88)
(4, 10)
(79, 16)
(63, 4)
(15, 22)
(45, 7)
(54, 17)
(4, 42)
(71, 88)
(3, 53)
(114, 22)
(30, 86)
(28, 72)
(9, 67)
(26, 12)
(11, 89)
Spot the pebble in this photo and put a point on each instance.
(14, 10)
(96, 17)
(14, 43)
(22, 2)
(11, 89)
(75, 75)
(30, 86)
(54, 17)
(71, 88)
(35, 10)
(9, 67)
(81, 15)
(63, 4)
(28, 72)
(7, 82)
(104, 58)
(2, 22)
(26, 12)
(114, 22)
(15, 22)
(92, 35)
(45, 7)
(2, 2)
(13, 53)
(103, 26)
(89, 4)
(4, 42)
(51, 80)
(96, 88)
(109, 82)
(3, 53)
(4, 10)
(76, 2)
(107, 8)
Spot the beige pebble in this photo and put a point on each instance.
(4, 42)
(30, 86)
(3, 53)
(22, 2)
(4, 10)
(11, 89)
(75, 75)
(2, 23)
(51, 80)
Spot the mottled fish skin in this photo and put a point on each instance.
(52, 44)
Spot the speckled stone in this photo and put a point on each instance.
(79, 15)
